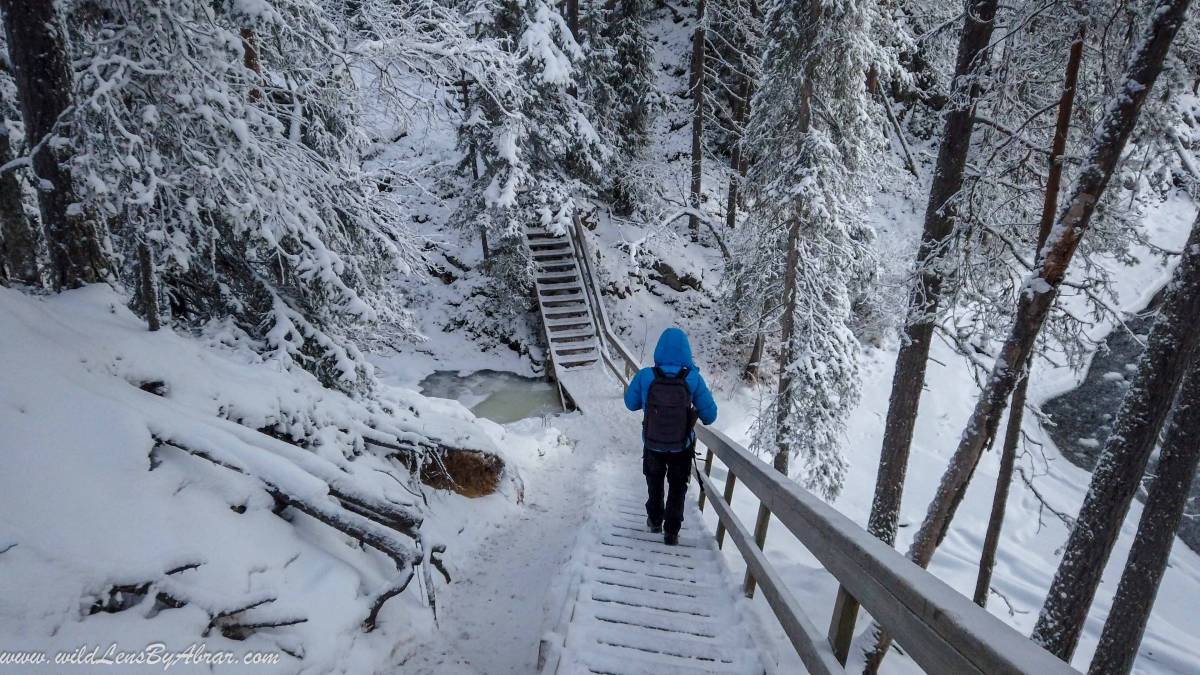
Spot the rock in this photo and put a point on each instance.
(666, 275)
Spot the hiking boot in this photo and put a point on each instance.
(671, 538)
(654, 527)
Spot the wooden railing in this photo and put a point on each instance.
(628, 365)
(941, 629)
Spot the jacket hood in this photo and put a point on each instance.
(673, 349)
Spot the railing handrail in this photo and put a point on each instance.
(942, 629)
(603, 327)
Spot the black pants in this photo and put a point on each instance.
(676, 468)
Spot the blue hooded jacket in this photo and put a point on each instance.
(671, 355)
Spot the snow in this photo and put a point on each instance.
(89, 501)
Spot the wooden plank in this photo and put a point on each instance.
(943, 630)
(814, 651)
(760, 539)
(708, 458)
(730, 483)
(841, 627)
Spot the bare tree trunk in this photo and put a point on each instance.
(472, 152)
(573, 18)
(696, 87)
(42, 72)
(737, 162)
(1016, 411)
(750, 373)
(250, 60)
(1165, 503)
(1008, 459)
(1042, 288)
(20, 239)
(1170, 347)
(148, 286)
(940, 213)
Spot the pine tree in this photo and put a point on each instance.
(1016, 411)
(619, 72)
(816, 57)
(536, 141)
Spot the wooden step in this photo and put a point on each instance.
(559, 295)
(542, 245)
(554, 303)
(578, 333)
(552, 257)
(557, 326)
(556, 277)
(559, 286)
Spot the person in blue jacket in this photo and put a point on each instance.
(673, 395)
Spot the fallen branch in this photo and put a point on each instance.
(369, 623)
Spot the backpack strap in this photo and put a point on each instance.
(658, 373)
(682, 374)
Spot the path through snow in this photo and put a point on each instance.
(495, 612)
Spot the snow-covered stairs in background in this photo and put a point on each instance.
(635, 606)
(563, 300)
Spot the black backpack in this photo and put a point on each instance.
(667, 423)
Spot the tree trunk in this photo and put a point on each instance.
(1016, 413)
(1041, 288)
(42, 72)
(250, 60)
(573, 18)
(1165, 503)
(787, 348)
(783, 396)
(696, 86)
(750, 373)
(940, 213)
(20, 242)
(737, 162)
(1008, 459)
(148, 286)
(1117, 476)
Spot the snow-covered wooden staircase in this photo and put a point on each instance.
(635, 606)
(563, 299)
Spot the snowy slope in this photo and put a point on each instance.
(91, 506)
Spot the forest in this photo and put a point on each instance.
(315, 316)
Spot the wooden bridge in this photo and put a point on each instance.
(635, 606)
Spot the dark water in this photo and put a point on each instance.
(498, 395)
(1083, 417)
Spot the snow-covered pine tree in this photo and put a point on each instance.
(618, 68)
(814, 118)
(536, 142)
(228, 138)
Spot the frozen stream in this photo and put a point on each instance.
(499, 396)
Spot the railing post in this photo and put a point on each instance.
(730, 482)
(707, 472)
(841, 627)
(760, 539)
